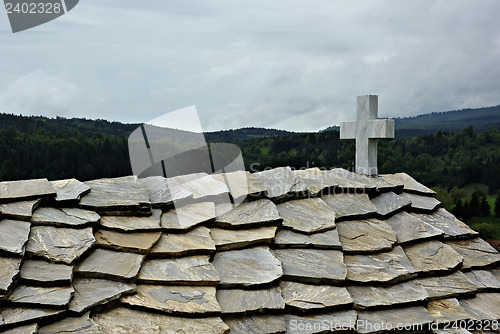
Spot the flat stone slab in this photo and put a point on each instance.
(449, 286)
(410, 227)
(197, 241)
(13, 236)
(485, 306)
(334, 322)
(188, 216)
(256, 324)
(23, 315)
(46, 273)
(202, 185)
(80, 325)
(69, 190)
(422, 203)
(348, 180)
(26, 329)
(397, 294)
(350, 206)
(308, 297)
(140, 242)
(241, 184)
(409, 184)
(58, 297)
(192, 270)
(433, 256)
(123, 195)
(14, 190)
(175, 299)
(103, 263)
(408, 318)
(447, 311)
(280, 182)
(312, 265)
(247, 214)
(483, 279)
(9, 269)
(449, 224)
(324, 240)
(234, 301)
(60, 245)
(477, 253)
(132, 321)
(389, 203)
(236, 239)
(389, 267)
(369, 235)
(92, 292)
(247, 267)
(315, 180)
(164, 192)
(65, 217)
(308, 215)
(131, 224)
(19, 210)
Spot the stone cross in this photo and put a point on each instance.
(367, 129)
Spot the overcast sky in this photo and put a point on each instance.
(288, 64)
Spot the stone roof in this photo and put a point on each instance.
(308, 251)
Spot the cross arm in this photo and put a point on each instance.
(380, 129)
(348, 130)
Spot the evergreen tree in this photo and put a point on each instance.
(458, 210)
(497, 206)
(475, 204)
(484, 207)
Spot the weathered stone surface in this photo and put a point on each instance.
(388, 267)
(9, 268)
(58, 244)
(454, 331)
(92, 292)
(389, 203)
(350, 206)
(140, 242)
(175, 299)
(335, 322)
(308, 297)
(409, 183)
(80, 325)
(40, 296)
(312, 265)
(485, 306)
(348, 180)
(447, 310)
(239, 189)
(69, 217)
(179, 244)
(19, 210)
(446, 222)
(308, 215)
(325, 240)
(454, 285)
(477, 253)
(123, 195)
(122, 320)
(13, 235)
(202, 185)
(433, 256)
(131, 224)
(411, 228)
(188, 216)
(163, 192)
(192, 270)
(254, 213)
(235, 239)
(19, 315)
(421, 203)
(483, 279)
(15, 190)
(244, 301)
(247, 267)
(369, 235)
(409, 318)
(315, 180)
(26, 329)
(70, 190)
(398, 294)
(280, 182)
(46, 273)
(256, 324)
(103, 263)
